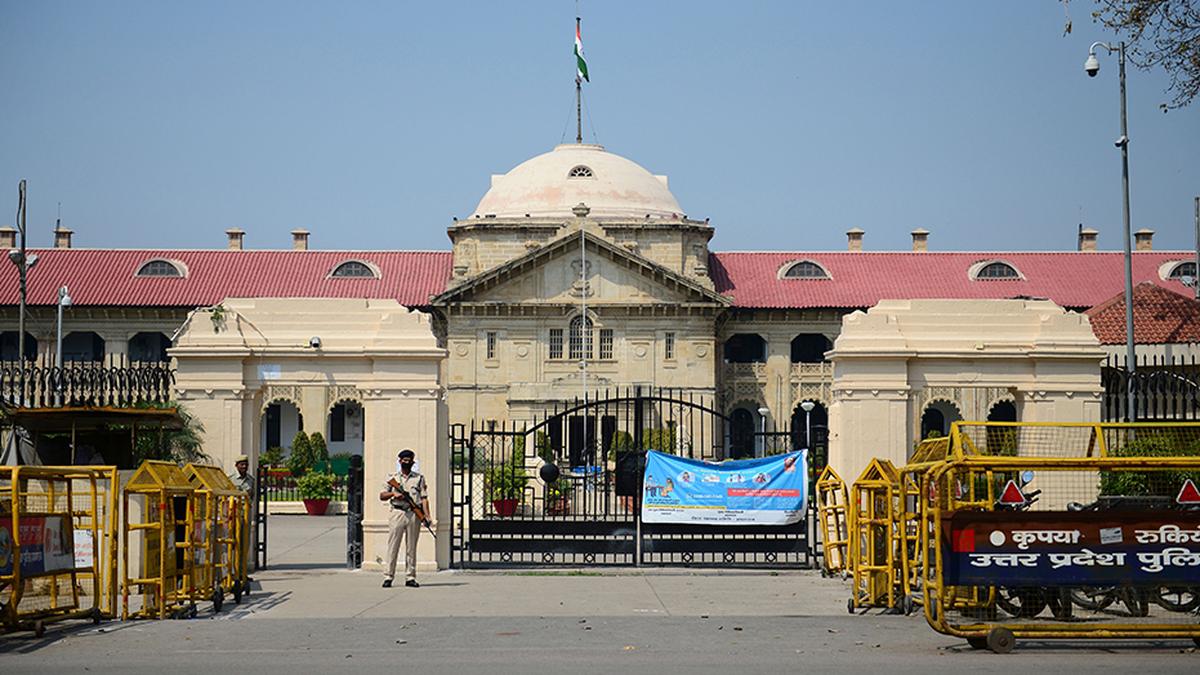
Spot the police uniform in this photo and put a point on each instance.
(403, 524)
(246, 484)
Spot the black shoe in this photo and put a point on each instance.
(412, 583)
(387, 583)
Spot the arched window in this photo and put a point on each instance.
(580, 171)
(580, 339)
(805, 269)
(1184, 269)
(149, 347)
(741, 434)
(810, 348)
(745, 348)
(353, 269)
(159, 268)
(997, 270)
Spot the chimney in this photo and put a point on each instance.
(1144, 239)
(854, 237)
(920, 240)
(299, 240)
(1087, 239)
(8, 237)
(237, 237)
(62, 236)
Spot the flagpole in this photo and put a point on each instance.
(578, 97)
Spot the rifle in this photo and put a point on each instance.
(416, 509)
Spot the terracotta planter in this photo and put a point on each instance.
(558, 507)
(505, 507)
(316, 507)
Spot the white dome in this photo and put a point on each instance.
(550, 185)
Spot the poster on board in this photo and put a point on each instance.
(766, 491)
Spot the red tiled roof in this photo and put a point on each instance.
(1160, 316)
(861, 279)
(106, 277)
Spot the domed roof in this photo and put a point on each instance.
(549, 185)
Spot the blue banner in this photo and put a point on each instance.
(767, 491)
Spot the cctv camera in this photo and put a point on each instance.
(1122, 142)
(314, 342)
(1092, 66)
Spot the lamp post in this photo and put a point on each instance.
(1092, 67)
(762, 416)
(64, 300)
(24, 262)
(807, 407)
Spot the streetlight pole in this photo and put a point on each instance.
(807, 407)
(64, 300)
(1092, 66)
(762, 415)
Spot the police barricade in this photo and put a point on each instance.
(874, 502)
(833, 512)
(158, 507)
(1063, 531)
(907, 527)
(215, 548)
(57, 545)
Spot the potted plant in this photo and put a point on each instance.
(316, 489)
(505, 484)
(558, 498)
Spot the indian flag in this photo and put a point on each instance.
(580, 65)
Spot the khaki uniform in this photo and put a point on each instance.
(403, 524)
(250, 535)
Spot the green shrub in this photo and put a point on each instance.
(315, 485)
(317, 449)
(300, 460)
(622, 441)
(507, 480)
(1149, 483)
(271, 457)
(663, 440)
(541, 443)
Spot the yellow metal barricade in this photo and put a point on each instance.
(907, 527)
(833, 512)
(57, 544)
(874, 501)
(1063, 531)
(164, 496)
(217, 567)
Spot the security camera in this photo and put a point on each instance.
(1122, 142)
(1092, 65)
(314, 342)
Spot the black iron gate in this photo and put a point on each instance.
(565, 488)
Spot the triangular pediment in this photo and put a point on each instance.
(569, 271)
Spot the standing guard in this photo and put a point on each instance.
(409, 499)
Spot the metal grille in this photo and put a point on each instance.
(556, 343)
(506, 512)
(581, 338)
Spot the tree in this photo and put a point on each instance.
(182, 445)
(1158, 34)
(300, 460)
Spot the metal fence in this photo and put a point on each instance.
(1164, 388)
(116, 382)
(279, 485)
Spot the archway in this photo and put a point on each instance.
(281, 421)
(82, 346)
(345, 428)
(937, 418)
(1003, 411)
(810, 348)
(745, 348)
(741, 433)
(149, 347)
(9, 345)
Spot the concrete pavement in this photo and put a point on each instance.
(307, 614)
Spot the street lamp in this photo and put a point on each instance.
(1092, 67)
(24, 262)
(807, 407)
(64, 300)
(762, 415)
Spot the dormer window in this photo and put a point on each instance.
(805, 269)
(160, 268)
(581, 171)
(354, 269)
(990, 270)
(1183, 269)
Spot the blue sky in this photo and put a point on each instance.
(161, 124)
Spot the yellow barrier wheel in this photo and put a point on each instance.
(977, 642)
(95, 616)
(1001, 640)
(39, 628)
(850, 605)
(237, 592)
(218, 599)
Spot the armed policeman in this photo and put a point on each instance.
(408, 496)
